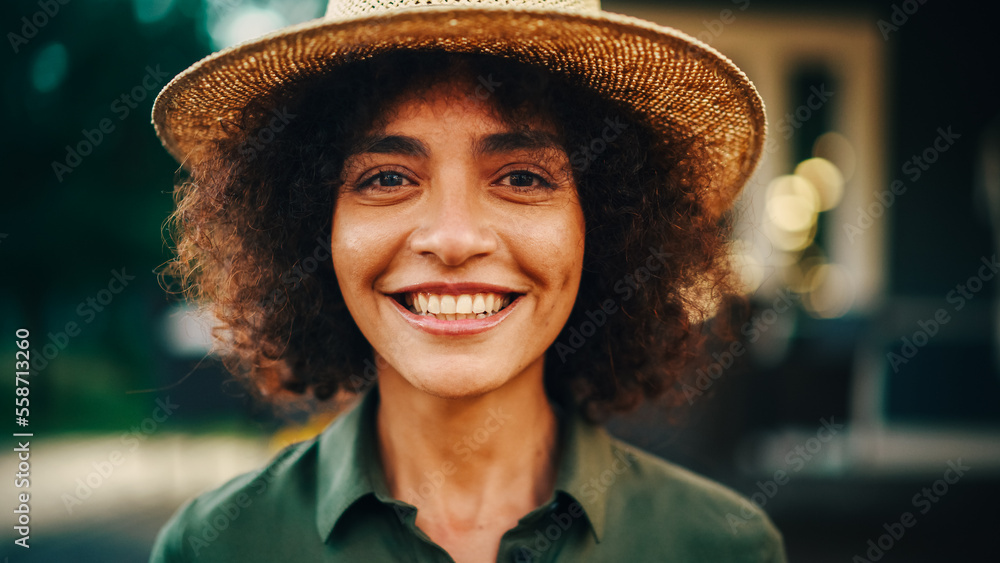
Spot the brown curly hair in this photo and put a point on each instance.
(252, 225)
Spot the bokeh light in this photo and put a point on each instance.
(748, 268)
(49, 67)
(792, 203)
(243, 23)
(150, 11)
(831, 291)
(837, 149)
(188, 332)
(796, 276)
(826, 178)
(789, 241)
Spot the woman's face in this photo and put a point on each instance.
(458, 243)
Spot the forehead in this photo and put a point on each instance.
(474, 101)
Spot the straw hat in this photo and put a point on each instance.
(678, 85)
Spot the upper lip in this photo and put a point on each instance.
(454, 288)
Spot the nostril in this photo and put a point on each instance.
(454, 239)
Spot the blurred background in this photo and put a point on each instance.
(868, 370)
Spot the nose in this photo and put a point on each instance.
(455, 226)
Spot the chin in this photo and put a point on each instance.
(457, 380)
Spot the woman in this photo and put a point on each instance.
(515, 250)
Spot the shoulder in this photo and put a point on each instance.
(687, 513)
(220, 519)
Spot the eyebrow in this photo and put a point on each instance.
(495, 143)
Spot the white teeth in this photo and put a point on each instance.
(464, 304)
(448, 304)
(456, 307)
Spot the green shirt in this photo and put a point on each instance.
(326, 499)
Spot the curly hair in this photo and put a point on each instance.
(253, 219)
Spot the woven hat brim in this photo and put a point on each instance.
(679, 85)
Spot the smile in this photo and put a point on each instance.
(446, 307)
(455, 309)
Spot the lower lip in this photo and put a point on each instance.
(462, 327)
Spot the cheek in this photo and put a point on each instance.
(577, 233)
(363, 243)
(552, 250)
(342, 248)
(354, 252)
(569, 237)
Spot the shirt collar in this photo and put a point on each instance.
(348, 463)
(349, 467)
(586, 455)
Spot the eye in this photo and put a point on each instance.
(383, 179)
(525, 181)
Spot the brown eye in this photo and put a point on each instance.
(525, 181)
(387, 179)
(522, 180)
(383, 179)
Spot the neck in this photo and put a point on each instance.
(470, 459)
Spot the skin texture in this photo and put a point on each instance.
(458, 215)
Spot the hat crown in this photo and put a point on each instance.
(346, 9)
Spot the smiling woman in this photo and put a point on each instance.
(449, 209)
(480, 211)
(449, 186)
